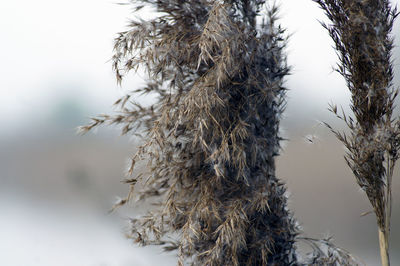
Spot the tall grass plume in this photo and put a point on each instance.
(211, 138)
(361, 31)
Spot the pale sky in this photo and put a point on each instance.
(52, 49)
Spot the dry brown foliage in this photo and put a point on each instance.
(217, 69)
(361, 32)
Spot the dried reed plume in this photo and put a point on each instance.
(211, 137)
(361, 31)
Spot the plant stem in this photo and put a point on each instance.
(384, 248)
(385, 232)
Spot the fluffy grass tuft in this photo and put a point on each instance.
(361, 31)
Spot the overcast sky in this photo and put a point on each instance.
(56, 49)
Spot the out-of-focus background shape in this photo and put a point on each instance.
(56, 187)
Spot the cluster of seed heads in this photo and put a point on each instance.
(211, 137)
(361, 31)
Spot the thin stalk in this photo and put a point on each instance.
(390, 168)
(385, 233)
(384, 247)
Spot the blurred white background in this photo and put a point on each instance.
(56, 187)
